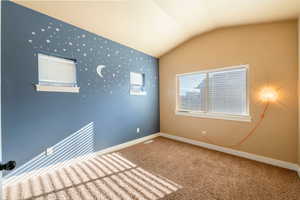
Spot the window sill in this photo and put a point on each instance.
(138, 93)
(50, 88)
(243, 118)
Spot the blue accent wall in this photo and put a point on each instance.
(33, 121)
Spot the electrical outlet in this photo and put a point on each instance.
(138, 130)
(203, 132)
(49, 151)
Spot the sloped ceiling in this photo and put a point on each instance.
(157, 26)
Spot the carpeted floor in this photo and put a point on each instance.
(162, 169)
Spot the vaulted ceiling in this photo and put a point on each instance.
(156, 26)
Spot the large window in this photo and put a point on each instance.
(221, 93)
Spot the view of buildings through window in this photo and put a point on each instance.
(192, 92)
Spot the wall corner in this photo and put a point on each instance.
(298, 95)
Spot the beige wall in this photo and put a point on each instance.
(271, 51)
(299, 90)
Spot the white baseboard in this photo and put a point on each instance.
(127, 144)
(23, 176)
(271, 161)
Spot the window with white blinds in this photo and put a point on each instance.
(137, 83)
(56, 74)
(219, 93)
(56, 71)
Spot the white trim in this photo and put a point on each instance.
(243, 118)
(263, 159)
(216, 69)
(24, 176)
(50, 88)
(143, 93)
(127, 144)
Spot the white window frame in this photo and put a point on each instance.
(207, 114)
(56, 86)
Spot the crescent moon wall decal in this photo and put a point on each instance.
(99, 70)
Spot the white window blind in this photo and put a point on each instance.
(227, 91)
(56, 71)
(136, 78)
(212, 93)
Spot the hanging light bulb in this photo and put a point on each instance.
(268, 94)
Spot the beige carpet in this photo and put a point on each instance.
(162, 169)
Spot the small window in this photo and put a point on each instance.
(221, 94)
(137, 83)
(56, 74)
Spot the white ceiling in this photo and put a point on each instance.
(157, 26)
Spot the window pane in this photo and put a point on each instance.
(228, 91)
(192, 92)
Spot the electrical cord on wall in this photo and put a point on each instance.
(262, 116)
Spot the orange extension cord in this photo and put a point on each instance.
(262, 116)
